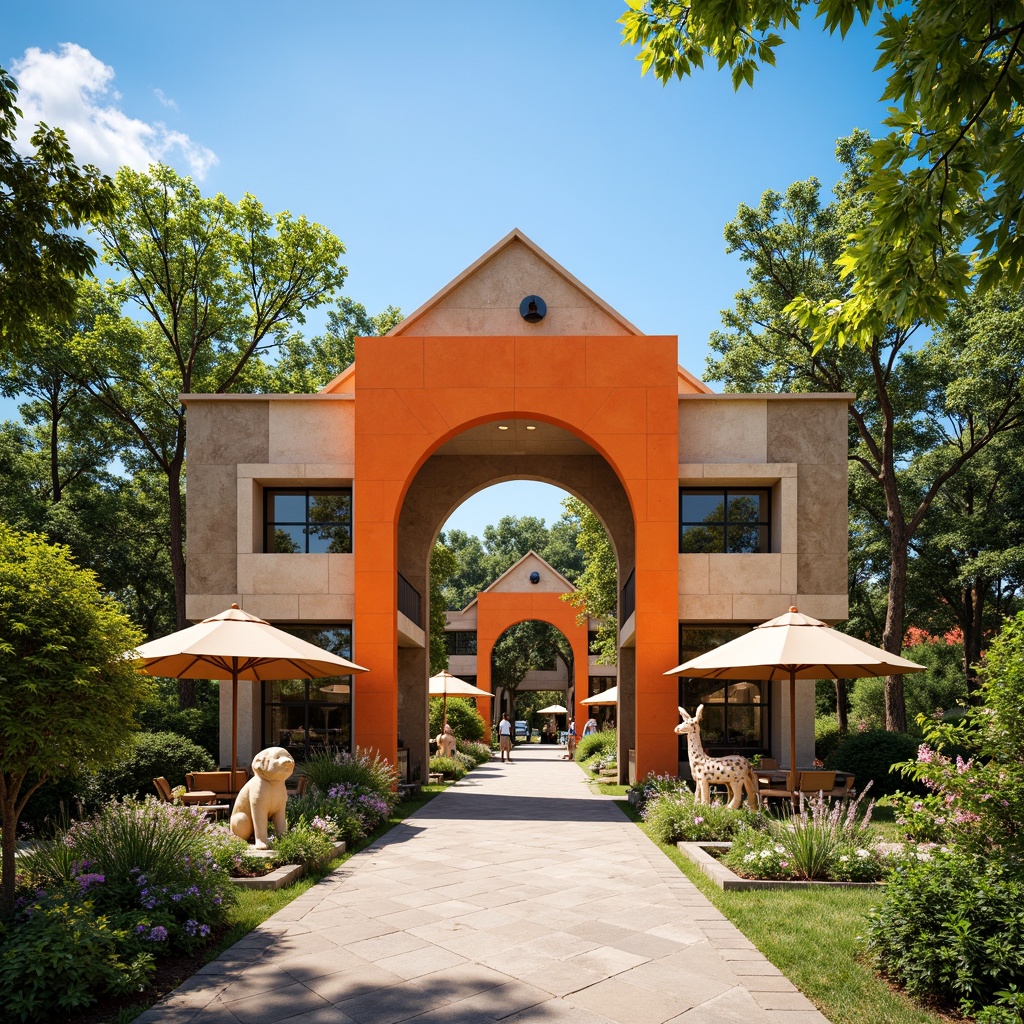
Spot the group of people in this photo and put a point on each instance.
(446, 738)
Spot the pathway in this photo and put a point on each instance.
(517, 895)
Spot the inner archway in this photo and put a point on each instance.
(469, 462)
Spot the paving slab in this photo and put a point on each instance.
(516, 895)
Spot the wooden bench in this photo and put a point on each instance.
(409, 789)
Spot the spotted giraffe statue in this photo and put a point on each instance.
(733, 771)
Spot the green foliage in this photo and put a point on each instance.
(447, 766)
(947, 171)
(368, 771)
(826, 737)
(443, 566)
(303, 844)
(597, 591)
(44, 199)
(478, 753)
(949, 929)
(674, 817)
(60, 955)
(347, 823)
(68, 693)
(596, 744)
(870, 757)
(464, 719)
(150, 755)
(305, 366)
(200, 724)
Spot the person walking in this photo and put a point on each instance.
(505, 737)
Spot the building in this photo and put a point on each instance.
(320, 511)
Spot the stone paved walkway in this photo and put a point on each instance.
(517, 895)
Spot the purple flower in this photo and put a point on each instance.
(158, 933)
(87, 880)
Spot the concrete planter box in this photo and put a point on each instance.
(724, 878)
(284, 875)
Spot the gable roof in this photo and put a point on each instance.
(484, 298)
(504, 583)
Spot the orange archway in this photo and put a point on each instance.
(618, 393)
(498, 611)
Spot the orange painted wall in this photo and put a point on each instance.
(617, 393)
(497, 611)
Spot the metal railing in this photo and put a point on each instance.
(627, 598)
(410, 603)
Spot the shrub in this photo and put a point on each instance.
(151, 864)
(464, 719)
(447, 766)
(824, 840)
(150, 755)
(369, 772)
(304, 843)
(348, 824)
(674, 817)
(640, 793)
(479, 752)
(59, 954)
(200, 724)
(596, 743)
(826, 737)
(951, 927)
(870, 757)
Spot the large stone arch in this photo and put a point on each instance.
(414, 394)
(445, 481)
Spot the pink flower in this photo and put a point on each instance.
(925, 754)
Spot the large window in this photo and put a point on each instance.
(735, 716)
(312, 520)
(726, 520)
(461, 642)
(305, 714)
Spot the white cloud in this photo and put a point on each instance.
(165, 100)
(69, 90)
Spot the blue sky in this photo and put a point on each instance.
(422, 133)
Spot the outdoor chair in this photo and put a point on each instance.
(219, 782)
(814, 782)
(204, 799)
(297, 784)
(775, 790)
(768, 764)
(842, 789)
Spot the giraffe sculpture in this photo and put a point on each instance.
(733, 771)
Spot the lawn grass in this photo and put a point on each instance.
(815, 937)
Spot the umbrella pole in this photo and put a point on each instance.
(792, 729)
(234, 719)
(444, 706)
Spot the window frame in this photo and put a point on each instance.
(307, 493)
(764, 524)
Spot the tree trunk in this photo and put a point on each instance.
(842, 706)
(7, 861)
(892, 637)
(55, 488)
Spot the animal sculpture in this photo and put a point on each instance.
(446, 745)
(733, 771)
(264, 797)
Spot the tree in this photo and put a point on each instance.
(443, 565)
(471, 575)
(44, 199)
(217, 283)
(949, 169)
(932, 407)
(304, 367)
(67, 693)
(597, 585)
(523, 648)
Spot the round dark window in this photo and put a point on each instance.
(533, 309)
(535, 577)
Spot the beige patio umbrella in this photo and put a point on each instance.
(610, 696)
(794, 646)
(236, 645)
(555, 709)
(444, 683)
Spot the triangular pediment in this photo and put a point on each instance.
(484, 299)
(516, 578)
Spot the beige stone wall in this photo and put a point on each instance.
(797, 446)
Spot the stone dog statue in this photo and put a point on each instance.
(446, 742)
(264, 797)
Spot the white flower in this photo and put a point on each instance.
(779, 849)
(748, 857)
(843, 859)
(862, 854)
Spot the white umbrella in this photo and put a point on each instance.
(445, 684)
(236, 645)
(607, 697)
(794, 646)
(555, 709)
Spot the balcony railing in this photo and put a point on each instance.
(627, 598)
(410, 603)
